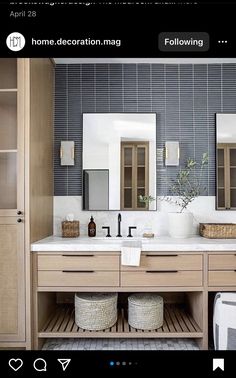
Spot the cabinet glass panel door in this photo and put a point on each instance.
(221, 178)
(11, 140)
(141, 175)
(128, 177)
(134, 175)
(8, 186)
(232, 167)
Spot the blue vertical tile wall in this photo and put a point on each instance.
(184, 96)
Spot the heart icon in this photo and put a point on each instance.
(15, 363)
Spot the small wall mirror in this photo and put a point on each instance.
(119, 161)
(226, 161)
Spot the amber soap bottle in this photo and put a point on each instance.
(91, 227)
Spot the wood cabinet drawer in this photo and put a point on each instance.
(162, 278)
(222, 261)
(92, 261)
(167, 261)
(222, 278)
(77, 278)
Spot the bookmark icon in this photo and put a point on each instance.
(64, 362)
(218, 363)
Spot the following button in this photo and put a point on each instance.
(181, 41)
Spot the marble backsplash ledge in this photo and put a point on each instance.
(203, 209)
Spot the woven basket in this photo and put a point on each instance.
(145, 311)
(95, 311)
(218, 230)
(70, 229)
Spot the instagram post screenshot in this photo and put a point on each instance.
(117, 188)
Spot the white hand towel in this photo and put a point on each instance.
(130, 253)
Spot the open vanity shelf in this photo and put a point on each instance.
(182, 318)
(183, 278)
(177, 323)
(177, 277)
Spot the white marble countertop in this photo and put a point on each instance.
(96, 244)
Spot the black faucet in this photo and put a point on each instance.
(119, 221)
(108, 231)
(131, 228)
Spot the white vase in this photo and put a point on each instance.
(180, 225)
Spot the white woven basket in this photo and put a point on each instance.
(95, 311)
(145, 311)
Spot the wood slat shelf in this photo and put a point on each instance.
(177, 323)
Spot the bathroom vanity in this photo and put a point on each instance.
(184, 272)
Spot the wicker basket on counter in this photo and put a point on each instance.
(95, 311)
(145, 311)
(218, 230)
(70, 229)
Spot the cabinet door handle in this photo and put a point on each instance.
(19, 220)
(78, 271)
(78, 255)
(19, 212)
(161, 271)
(161, 255)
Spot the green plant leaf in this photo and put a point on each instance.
(188, 182)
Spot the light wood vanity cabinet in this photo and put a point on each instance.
(104, 269)
(184, 279)
(162, 278)
(177, 276)
(85, 278)
(166, 269)
(167, 261)
(82, 261)
(222, 269)
(82, 269)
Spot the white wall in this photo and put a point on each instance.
(226, 127)
(203, 209)
(114, 175)
(95, 157)
(152, 173)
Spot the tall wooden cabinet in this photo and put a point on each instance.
(226, 176)
(134, 174)
(26, 128)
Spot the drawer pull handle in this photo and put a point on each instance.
(161, 255)
(161, 271)
(78, 271)
(78, 255)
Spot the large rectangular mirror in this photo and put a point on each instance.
(119, 161)
(226, 161)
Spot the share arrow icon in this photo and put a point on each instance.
(64, 362)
